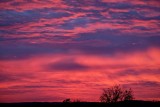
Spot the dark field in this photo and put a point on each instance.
(83, 104)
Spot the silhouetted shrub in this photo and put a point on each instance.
(115, 94)
(76, 100)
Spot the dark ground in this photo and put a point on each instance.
(84, 104)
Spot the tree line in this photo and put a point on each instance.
(111, 95)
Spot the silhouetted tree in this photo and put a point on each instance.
(68, 100)
(115, 94)
(127, 95)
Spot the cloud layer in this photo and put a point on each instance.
(57, 49)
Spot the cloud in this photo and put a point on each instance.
(26, 50)
(151, 89)
(32, 4)
(149, 84)
(11, 17)
(126, 70)
(6, 78)
(97, 43)
(67, 65)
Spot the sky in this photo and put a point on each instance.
(51, 50)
